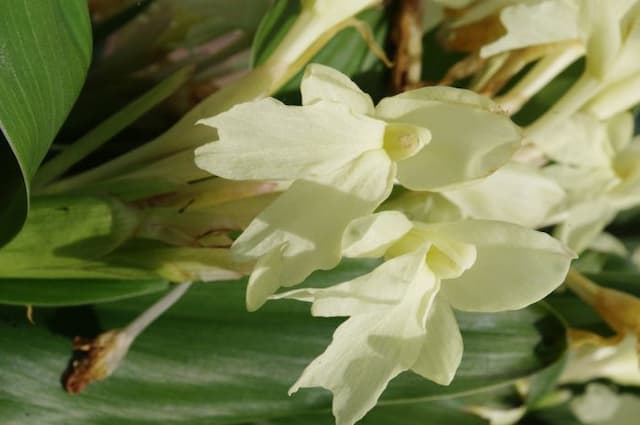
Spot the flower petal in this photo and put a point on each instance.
(442, 350)
(447, 257)
(582, 183)
(592, 360)
(515, 266)
(579, 140)
(541, 22)
(516, 193)
(457, 153)
(584, 223)
(369, 350)
(321, 82)
(382, 288)
(370, 236)
(620, 129)
(298, 225)
(269, 140)
(602, 22)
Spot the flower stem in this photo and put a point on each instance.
(102, 355)
(141, 322)
(582, 286)
(94, 139)
(538, 77)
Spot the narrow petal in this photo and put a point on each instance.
(267, 140)
(601, 20)
(620, 129)
(369, 350)
(582, 183)
(584, 223)
(535, 23)
(382, 288)
(370, 236)
(442, 350)
(321, 82)
(264, 279)
(450, 258)
(515, 266)
(516, 193)
(456, 153)
(580, 140)
(447, 258)
(299, 223)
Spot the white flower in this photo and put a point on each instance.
(401, 314)
(516, 193)
(343, 156)
(598, 164)
(609, 33)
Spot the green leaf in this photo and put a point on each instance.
(67, 236)
(557, 415)
(543, 383)
(67, 292)
(208, 361)
(439, 412)
(274, 25)
(45, 50)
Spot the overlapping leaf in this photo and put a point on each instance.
(45, 50)
(208, 361)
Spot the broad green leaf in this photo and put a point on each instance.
(66, 292)
(557, 415)
(45, 50)
(425, 413)
(64, 235)
(207, 361)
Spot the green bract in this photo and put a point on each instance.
(343, 156)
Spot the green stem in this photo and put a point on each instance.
(582, 286)
(87, 144)
(307, 36)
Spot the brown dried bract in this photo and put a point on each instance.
(406, 37)
(93, 360)
(471, 37)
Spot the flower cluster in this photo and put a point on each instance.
(342, 156)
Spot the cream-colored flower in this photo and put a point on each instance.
(516, 193)
(343, 155)
(400, 314)
(598, 165)
(608, 31)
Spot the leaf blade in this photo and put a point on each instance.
(208, 361)
(45, 50)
